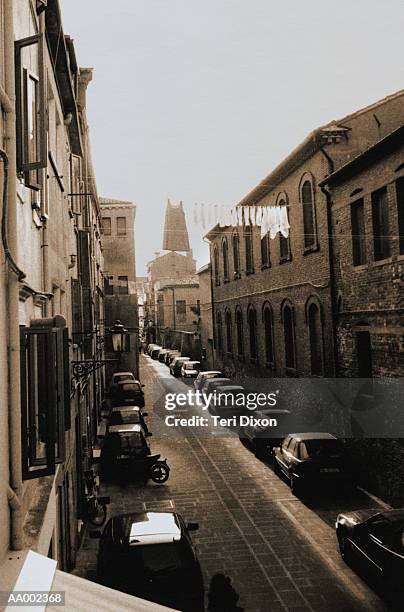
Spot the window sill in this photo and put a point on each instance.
(217, 283)
(265, 266)
(226, 280)
(360, 267)
(236, 275)
(311, 249)
(383, 262)
(284, 260)
(249, 272)
(291, 372)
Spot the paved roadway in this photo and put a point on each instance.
(280, 552)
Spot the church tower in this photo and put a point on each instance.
(175, 236)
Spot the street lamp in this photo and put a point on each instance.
(119, 336)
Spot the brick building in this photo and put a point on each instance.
(205, 327)
(367, 207)
(273, 299)
(118, 223)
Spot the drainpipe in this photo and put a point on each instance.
(14, 403)
(331, 263)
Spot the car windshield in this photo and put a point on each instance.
(191, 366)
(131, 387)
(120, 418)
(322, 448)
(122, 377)
(131, 443)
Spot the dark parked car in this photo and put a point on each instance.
(190, 369)
(154, 353)
(128, 415)
(151, 555)
(127, 393)
(263, 438)
(212, 383)
(204, 376)
(312, 458)
(161, 356)
(118, 377)
(123, 445)
(375, 540)
(176, 365)
(170, 355)
(227, 400)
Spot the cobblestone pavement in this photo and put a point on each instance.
(279, 551)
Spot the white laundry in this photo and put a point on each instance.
(283, 221)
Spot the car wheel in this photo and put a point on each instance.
(344, 548)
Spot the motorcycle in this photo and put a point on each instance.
(142, 468)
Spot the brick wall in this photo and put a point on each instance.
(371, 296)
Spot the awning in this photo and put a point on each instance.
(39, 573)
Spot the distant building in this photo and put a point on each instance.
(120, 297)
(169, 268)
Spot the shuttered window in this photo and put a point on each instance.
(45, 401)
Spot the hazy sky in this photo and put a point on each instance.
(198, 101)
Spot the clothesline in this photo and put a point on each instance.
(271, 219)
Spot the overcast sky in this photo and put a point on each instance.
(198, 100)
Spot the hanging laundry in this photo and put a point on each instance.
(283, 221)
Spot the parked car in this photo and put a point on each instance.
(128, 415)
(150, 347)
(170, 355)
(162, 354)
(123, 444)
(375, 539)
(203, 376)
(190, 369)
(151, 555)
(127, 393)
(118, 377)
(212, 383)
(154, 353)
(312, 458)
(176, 365)
(225, 400)
(262, 439)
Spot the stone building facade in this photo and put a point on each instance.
(273, 300)
(120, 295)
(367, 205)
(51, 304)
(205, 326)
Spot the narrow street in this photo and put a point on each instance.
(280, 552)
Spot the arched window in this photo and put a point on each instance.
(316, 339)
(236, 255)
(289, 336)
(308, 215)
(240, 333)
(252, 329)
(225, 253)
(284, 243)
(216, 265)
(265, 254)
(269, 335)
(219, 333)
(249, 259)
(229, 332)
